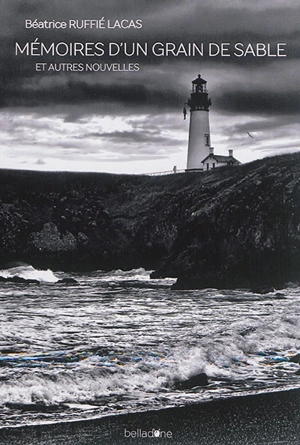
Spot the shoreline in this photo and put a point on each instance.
(261, 419)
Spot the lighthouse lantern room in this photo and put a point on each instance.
(199, 133)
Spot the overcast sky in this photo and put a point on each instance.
(131, 121)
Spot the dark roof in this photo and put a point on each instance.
(222, 159)
(199, 80)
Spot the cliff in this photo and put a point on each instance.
(230, 227)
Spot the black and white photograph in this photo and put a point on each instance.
(149, 222)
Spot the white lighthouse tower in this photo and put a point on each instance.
(199, 134)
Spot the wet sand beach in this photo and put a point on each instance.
(263, 419)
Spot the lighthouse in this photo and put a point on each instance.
(199, 133)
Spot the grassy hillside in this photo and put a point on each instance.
(228, 226)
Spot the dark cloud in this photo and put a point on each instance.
(163, 20)
(32, 94)
(260, 102)
(265, 125)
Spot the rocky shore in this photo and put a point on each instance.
(230, 227)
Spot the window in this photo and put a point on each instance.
(207, 139)
(207, 166)
(214, 164)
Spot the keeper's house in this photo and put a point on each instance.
(214, 161)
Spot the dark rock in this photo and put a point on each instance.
(295, 358)
(193, 381)
(50, 239)
(19, 280)
(68, 281)
(279, 296)
(262, 290)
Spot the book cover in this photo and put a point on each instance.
(149, 211)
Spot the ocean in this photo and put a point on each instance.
(118, 342)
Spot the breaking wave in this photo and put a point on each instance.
(27, 272)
